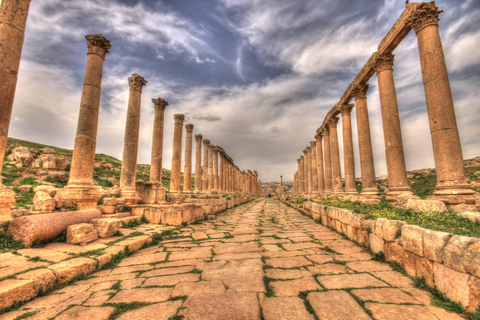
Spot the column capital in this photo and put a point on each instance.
(160, 103)
(360, 91)
(98, 44)
(178, 118)
(206, 142)
(326, 131)
(313, 143)
(346, 109)
(298, 160)
(211, 146)
(216, 149)
(332, 123)
(301, 158)
(319, 136)
(308, 148)
(425, 14)
(198, 137)
(305, 151)
(383, 62)
(136, 82)
(189, 127)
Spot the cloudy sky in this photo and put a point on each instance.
(256, 77)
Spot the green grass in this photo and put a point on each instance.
(121, 308)
(438, 298)
(269, 287)
(424, 187)
(42, 243)
(8, 243)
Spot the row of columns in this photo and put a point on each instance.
(321, 172)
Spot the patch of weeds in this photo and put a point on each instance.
(397, 267)
(379, 256)
(121, 308)
(116, 259)
(176, 317)
(303, 295)
(7, 242)
(474, 315)
(116, 286)
(81, 277)
(178, 298)
(343, 263)
(360, 302)
(196, 271)
(13, 307)
(156, 238)
(260, 231)
(26, 315)
(276, 237)
(42, 243)
(97, 252)
(228, 235)
(438, 298)
(118, 234)
(131, 224)
(269, 287)
(274, 220)
(328, 249)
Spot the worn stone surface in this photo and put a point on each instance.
(97, 313)
(82, 233)
(336, 305)
(285, 308)
(158, 311)
(106, 227)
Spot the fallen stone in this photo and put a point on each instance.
(106, 227)
(81, 233)
(25, 188)
(12, 290)
(427, 205)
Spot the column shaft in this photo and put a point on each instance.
(216, 185)
(206, 143)
(175, 177)
(336, 167)
(157, 141)
(348, 157)
(187, 171)
(210, 168)
(320, 175)
(314, 170)
(328, 161)
(198, 163)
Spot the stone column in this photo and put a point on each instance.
(447, 150)
(280, 188)
(130, 148)
(309, 169)
(302, 174)
(222, 173)
(80, 186)
(216, 184)
(369, 183)
(397, 172)
(230, 180)
(255, 182)
(187, 171)
(306, 160)
(321, 178)
(206, 143)
(313, 150)
(13, 18)
(176, 174)
(336, 167)
(348, 157)
(210, 168)
(328, 161)
(198, 163)
(157, 141)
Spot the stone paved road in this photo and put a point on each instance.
(261, 259)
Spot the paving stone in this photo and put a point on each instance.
(368, 266)
(240, 279)
(386, 295)
(234, 306)
(193, 253)
(336, 305)
(199, 235)
(399, 312)
(284, 309)
(44, 254)
(237, 256)
(291, 262)
(189, 288)
(158, 311)
(328, 268)
(237, 248)
(347, 281)
(97, 313)
(291, 288)
(320, 258)
(145, 259)
(171, 280)
(131, 283)
(394, 278)
(300, 246)
(147, 295)
(167, 271)
(287, 274)
(142, 267)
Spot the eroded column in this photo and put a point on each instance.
(369, 183)
(447, 150)
(175, 176)
(80, 186)
(348, 157)
(206, 143)
(320, 174)
(157, 141)
(336, 166)
(187, 171)
(397, 172)
(328, 161)
(313, 150)
(198, 163)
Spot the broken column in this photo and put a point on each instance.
(130, 149)
(280, 188)
(348, 158)
(314, 166)
(157, 141)
(320, 174)
(13, 18)
(198, 163)
(396, 169)
(447, 150)
(187, 171)
(206, 143)
(328, 160)
(369, 183)
(336, 167)
(80, 186)
(175, 176)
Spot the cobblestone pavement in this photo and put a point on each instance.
(261, 260)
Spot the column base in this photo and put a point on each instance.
(130, 195)
(151, 192)
(351, 192)
(7, 199)
(394, 192)
(85, 197)
(453, 189)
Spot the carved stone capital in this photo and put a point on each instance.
(198, 137)
(425, 14)
(332, 123)
(313, 143)
(326, 132)
(305, 151)
(298, 160)
(98, 44)
(360, 91)
(160, 103)
(346, 109)
(383, 62)
(206, 142)
(189, 127)
(136, 82)
(319, 136)
(211, 146)
(179, 118)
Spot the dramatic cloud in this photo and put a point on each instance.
(255, 77)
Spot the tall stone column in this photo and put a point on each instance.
(198, 163)
(299, 164)
(313, 150)
(320, 174)
(348, 157)
(302, 174)
(175, 176)
(230, 181)
(255, 182)
(328, 161)
(447, 150)
(210, 168)
(396, 169)
(130, 147)
(306, 161)
(206, 143)
(157, 141)
(216, 185)
(369, 183)
(187, 171)
(13, 18)
(336, 167)
(309, 169)
(280, 188)
(222, 173)
(80, 186)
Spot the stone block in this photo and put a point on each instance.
(474, 294)
(391, 229)
(454, 284)
(362, 237)
(106, 227)
(81, 233)
(453, 253)
(25, 188)
(64, 204)
(45, 205)
(69, 269)
(58, 176)
(403, 198)
(44, 279)
(109, 201)
(409, 263)
(394, 252)
(471, 259)
(426, 205)
(424, 269)
(472, 216)
(412, 239)
(378, 227)
(376, 243)
(433, 244)
(13, 290)
(106, 209)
